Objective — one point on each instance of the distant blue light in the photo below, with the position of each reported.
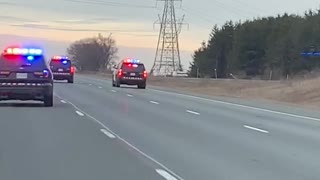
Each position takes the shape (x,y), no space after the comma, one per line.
(64,62)
(45,71)
(30,58)
(310,54)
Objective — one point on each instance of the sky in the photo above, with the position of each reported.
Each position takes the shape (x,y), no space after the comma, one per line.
(133,23)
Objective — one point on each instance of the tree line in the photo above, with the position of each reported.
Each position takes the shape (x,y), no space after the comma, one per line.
(264,48)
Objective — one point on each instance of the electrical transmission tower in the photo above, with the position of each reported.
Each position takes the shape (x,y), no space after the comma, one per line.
(167,57)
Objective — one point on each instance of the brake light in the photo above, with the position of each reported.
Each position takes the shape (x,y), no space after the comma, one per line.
(144,74)
(120,72)
(72,69)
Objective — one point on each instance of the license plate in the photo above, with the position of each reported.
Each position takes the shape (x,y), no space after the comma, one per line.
(132,74)
(60,70)
(22,75)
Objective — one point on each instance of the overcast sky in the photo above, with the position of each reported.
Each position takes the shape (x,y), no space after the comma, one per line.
(132,21)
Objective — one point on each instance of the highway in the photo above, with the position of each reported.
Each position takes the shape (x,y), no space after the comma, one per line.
(96,131)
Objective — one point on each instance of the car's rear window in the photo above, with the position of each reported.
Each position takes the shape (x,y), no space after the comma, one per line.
(59,63)
(133,67)
(19,61)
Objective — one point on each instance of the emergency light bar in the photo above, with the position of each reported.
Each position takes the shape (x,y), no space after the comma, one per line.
(134,61)
(23,51)
(59,57)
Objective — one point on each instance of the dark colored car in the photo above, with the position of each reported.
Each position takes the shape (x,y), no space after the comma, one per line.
(62,68)
(130,72)
(25,75)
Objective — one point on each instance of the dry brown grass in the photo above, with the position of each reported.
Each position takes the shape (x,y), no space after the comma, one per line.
(301,92)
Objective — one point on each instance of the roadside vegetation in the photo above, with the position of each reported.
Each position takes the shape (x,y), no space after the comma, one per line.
(263,48)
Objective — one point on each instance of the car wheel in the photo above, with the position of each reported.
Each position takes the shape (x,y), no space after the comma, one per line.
(142,86)
(70,80)
(48,100)
(117,84)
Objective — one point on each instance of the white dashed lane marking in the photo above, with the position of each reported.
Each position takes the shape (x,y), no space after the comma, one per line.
(129,95)
(192,112)
(63,101)
(154,102)
(165,174)
(113,91)
(255,129)
(110,135)
(79,113)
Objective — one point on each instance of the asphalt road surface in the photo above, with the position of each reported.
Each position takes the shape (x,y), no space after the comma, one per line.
(96,131)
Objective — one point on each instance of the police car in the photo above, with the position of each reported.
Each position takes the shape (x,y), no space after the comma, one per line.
(62,68)
(130,72)
(25,75)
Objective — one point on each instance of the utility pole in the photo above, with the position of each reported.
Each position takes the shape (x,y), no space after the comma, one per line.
(167,57)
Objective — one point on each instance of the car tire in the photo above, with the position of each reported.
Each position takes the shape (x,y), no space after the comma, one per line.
(70,80)
(142,86)
(48,100)
(117,84)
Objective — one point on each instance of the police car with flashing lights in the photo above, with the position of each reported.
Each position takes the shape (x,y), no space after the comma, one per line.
(130,72)
(62,68)
(25,75)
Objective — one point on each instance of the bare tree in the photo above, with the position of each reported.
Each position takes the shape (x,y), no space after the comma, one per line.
(93,54)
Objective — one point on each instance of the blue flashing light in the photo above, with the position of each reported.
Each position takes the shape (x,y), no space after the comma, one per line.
(310,54)
(64,62)
(30,58)
(133,61)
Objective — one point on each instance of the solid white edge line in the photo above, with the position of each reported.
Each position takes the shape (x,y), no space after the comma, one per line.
(79,113)
(126,142)
(192,112)
(256,129)
(153,102)
(242,106)
(165,174)
(110,135)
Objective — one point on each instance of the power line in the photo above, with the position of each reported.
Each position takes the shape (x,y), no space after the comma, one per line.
(109,3)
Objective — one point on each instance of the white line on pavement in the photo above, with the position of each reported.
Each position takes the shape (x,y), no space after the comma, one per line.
(100,87)
(129,95)
(126,142)
(165,174)
(79,113)
(113,91)
(153,102)
(256,129)
(192,112)
(110,135)
(240,105)
(63,101)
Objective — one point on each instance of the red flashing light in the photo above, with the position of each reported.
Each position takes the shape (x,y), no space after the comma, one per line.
(120,72)
(72,69)
(144,74)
